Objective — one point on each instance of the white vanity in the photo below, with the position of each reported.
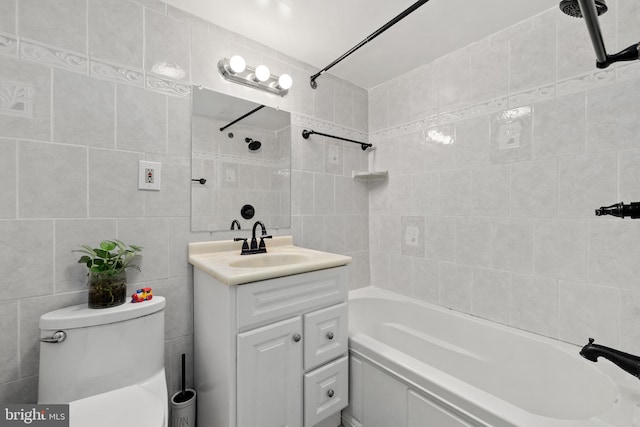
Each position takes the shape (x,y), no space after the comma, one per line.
(270,335)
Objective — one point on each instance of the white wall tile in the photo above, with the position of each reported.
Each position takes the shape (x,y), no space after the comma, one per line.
(559,127)
(7,19)
(29,116)
(560,248)
(456,286)
(629,321)
(152,234)
(587,311)
(8,184)
(323,194)
(534,302)
(113,184)
(426,282)
(62,23)
(425,194)
(490,189)
(489,71)
(116,31)
(207,48)
(628,162)
(400,274)
(173,199)
(473,241)
(424,92)
(613,254)
(399,109)
(452,71)
(61,185)
(26,240)
(534,189)
(84,110)
(472,142)
(9,357)
(456,192)
(512,244)
(141,120)
(492,295)
(440,238)
(612,120)
(179,126)
(585,183)
(532,58)
(166,43)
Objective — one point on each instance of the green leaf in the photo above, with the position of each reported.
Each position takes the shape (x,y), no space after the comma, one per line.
(107,245)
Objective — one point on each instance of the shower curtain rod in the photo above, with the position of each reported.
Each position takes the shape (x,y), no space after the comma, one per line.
(307,133)
(373,35)
(242,117)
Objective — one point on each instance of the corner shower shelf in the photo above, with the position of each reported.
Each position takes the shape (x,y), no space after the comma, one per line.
(370,176)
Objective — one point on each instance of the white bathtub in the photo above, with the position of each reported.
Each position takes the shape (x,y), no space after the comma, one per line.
(415,364)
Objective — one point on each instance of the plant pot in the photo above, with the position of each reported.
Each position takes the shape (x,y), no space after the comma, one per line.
(107,289)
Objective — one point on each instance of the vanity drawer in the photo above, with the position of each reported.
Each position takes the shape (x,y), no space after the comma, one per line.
(271,300)
(326,335)
(326,391)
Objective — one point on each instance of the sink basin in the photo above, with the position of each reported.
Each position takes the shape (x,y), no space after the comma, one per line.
(269,260)
(222,260)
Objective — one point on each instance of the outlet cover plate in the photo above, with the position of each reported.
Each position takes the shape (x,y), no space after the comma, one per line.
(149,175)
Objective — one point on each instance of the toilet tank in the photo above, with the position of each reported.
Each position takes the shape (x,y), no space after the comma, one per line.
(104,349)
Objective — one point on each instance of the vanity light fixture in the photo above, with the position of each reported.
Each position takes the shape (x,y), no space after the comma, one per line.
(236,70)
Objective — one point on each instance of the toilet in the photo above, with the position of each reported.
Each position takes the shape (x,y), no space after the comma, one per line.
(107,364)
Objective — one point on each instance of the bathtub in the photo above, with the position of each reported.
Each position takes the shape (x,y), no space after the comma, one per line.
(414,364)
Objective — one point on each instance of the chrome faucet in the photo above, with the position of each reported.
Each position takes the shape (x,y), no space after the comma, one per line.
(625,361)
(255,248)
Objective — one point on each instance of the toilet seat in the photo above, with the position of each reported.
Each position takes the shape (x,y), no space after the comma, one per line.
(132,406)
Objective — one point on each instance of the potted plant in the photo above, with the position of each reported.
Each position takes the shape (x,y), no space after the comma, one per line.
(107,271)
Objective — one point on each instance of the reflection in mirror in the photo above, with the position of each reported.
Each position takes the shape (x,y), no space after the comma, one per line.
(246,163)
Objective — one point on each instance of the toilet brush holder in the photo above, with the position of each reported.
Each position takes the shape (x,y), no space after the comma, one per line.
(183,408)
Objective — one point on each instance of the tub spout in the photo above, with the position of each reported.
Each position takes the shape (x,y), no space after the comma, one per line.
(625,361)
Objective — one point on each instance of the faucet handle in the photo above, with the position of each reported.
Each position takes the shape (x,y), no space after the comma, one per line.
(245,245)
(262,245)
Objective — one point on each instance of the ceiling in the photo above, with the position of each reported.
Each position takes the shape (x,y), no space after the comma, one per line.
(319,32)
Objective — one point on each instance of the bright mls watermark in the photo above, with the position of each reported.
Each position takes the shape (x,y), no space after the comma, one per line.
(12,415)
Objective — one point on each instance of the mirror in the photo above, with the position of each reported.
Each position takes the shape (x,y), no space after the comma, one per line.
(241,172)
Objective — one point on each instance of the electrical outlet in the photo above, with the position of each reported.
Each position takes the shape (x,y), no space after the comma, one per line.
(149,175)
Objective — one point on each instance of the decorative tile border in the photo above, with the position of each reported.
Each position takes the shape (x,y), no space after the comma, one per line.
(8,45)
(628,71)
(53,57)
(532,96)
(169,87)
(489,107)
(16,99)
(116,73)
(586,82)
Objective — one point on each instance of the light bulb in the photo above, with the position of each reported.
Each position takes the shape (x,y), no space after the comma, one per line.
(285,81)
(262,73)
(237,64)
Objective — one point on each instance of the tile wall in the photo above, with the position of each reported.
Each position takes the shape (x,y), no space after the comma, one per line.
(498,154)
(82,100)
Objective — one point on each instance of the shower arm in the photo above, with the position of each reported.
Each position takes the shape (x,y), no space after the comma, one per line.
(590,16)
(373,35)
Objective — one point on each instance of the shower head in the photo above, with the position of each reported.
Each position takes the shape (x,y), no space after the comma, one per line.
(572,7)
(253,145)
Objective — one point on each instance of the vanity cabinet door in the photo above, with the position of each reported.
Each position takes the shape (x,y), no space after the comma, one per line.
(270,375)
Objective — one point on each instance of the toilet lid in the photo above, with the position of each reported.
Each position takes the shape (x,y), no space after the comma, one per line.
(132,406)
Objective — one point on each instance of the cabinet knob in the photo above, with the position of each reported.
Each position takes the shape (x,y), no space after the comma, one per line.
(330,393)
(330,335)
(297,337)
